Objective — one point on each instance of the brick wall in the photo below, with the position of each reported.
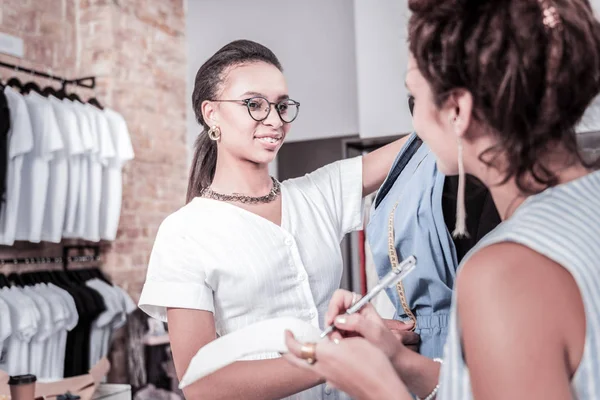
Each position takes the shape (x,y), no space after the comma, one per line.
(136,49)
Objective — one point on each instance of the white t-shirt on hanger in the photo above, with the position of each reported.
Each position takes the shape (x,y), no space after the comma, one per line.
(128,306)
(58,181)
(104,322)
(57,363)
(59,313)
(24,320)
(39,341)
(87,138)
(5,326)
(112,180)
(36,168)
(69,127)
(20,142)
(104,150)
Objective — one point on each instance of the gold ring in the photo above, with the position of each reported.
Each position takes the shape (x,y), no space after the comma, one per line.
(308,352)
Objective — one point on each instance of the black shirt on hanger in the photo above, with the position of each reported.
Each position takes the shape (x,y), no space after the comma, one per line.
(77,360)
(4,155)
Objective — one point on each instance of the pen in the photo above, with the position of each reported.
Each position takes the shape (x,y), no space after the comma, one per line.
(392,277)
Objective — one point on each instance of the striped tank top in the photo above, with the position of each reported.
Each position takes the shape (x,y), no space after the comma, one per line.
(563,224)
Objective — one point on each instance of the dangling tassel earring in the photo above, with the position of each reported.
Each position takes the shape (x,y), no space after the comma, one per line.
(460,230)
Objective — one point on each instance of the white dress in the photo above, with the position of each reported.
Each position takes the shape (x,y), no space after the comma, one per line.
(214,256)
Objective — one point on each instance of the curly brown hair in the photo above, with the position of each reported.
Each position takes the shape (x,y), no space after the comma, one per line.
(530,82)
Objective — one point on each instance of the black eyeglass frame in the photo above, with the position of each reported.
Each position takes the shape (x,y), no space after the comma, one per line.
(246,102)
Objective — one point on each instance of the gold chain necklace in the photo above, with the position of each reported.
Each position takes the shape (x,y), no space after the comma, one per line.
(242,198)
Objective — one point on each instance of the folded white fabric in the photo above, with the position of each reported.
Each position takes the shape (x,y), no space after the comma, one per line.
(261,337)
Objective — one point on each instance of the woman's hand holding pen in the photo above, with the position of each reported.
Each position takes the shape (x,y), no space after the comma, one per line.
(363,344)
(388,335)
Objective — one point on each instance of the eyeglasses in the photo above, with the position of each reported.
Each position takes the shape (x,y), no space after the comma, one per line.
(259,108)
(411,103)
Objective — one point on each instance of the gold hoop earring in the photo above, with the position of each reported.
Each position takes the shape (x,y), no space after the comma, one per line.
(214,133)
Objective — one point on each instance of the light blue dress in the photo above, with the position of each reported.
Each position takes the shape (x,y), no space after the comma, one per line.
(420,230)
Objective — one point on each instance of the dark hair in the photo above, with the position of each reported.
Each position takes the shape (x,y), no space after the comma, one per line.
(530,83)
(208,83)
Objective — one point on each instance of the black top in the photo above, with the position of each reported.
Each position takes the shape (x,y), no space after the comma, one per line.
(482,215)
(4,128)
(91,305)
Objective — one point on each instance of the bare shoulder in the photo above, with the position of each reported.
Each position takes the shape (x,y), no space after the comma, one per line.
(515,296)
(513,272)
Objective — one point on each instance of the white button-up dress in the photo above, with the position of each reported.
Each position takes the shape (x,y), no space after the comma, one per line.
(214,256)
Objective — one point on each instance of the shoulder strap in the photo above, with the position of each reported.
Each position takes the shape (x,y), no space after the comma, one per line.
(397,169)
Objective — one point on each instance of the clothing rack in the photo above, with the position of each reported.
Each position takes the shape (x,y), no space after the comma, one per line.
(65,259)
(88,82)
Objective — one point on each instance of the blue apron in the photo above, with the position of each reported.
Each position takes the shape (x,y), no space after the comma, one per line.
(417,186)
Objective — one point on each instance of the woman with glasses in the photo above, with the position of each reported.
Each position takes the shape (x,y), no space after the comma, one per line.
(246,247)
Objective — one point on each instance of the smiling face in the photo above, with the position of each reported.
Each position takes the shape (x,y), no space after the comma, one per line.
(242,137)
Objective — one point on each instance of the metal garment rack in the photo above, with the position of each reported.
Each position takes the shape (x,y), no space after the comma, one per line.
(86,82)
(65,259)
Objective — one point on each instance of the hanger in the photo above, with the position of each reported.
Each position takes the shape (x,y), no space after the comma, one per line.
(49,90)
(3,281)
(29,86)
(27,280)
(15,82)
(60,93)
(15,279)
(93,101)
(74,97)
(30,277)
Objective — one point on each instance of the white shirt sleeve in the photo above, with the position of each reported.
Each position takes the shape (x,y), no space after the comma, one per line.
(339,187)
(105,139)
(5,324)
(45,325)
(72,315)
(175,277)
(120,135)
(20,133)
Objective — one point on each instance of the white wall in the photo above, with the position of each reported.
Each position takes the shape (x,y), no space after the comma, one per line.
(382,53)
(591,119)
(313,39)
